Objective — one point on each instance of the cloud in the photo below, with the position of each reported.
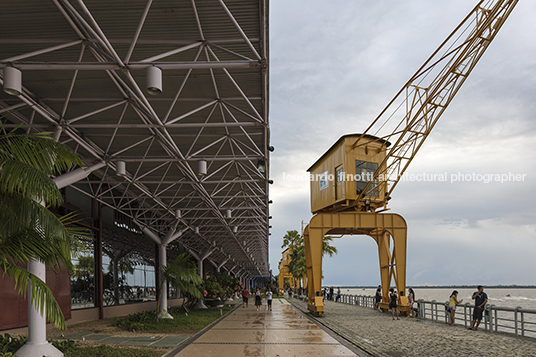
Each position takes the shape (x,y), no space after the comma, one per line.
(335,65)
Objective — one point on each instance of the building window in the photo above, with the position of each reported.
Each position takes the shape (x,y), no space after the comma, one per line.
(340,175)
(364,172)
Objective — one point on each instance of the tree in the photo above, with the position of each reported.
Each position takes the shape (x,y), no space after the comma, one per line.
(297,265)
(28,229)
(183,275)
(83,272)
(85,268)
(291,238)
(327,248)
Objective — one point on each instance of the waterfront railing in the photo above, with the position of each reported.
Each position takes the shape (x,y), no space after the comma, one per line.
(516,320)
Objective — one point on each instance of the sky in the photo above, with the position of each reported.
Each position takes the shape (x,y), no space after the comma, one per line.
(334,65)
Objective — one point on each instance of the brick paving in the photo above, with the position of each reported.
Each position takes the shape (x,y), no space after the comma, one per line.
(379,335)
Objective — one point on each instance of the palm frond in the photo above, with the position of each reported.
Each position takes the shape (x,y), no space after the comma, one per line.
(41,295)
(29,181)
(183,275)
(38,150)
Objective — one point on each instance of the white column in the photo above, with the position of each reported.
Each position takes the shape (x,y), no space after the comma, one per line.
(200,259)
(162,262)
(222,264)
(37,345)
(200,267)
(171,235)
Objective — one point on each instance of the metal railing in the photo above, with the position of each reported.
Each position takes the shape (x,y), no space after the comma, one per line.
(516,320)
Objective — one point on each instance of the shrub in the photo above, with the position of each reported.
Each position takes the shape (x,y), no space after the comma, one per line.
(63,345)
(146,321)
(221,285)
(9,344)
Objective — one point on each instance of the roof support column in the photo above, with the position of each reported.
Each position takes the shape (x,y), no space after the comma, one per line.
(200,259)
(231,270)
(162,262)
(37,344)
(218,268)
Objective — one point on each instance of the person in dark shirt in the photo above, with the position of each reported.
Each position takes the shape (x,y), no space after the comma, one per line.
(393,303)
(481,299)
(378,297)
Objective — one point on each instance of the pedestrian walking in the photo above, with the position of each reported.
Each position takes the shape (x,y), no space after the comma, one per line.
(481,299)
(453,301)
(245,297)
(378,297)
(338,294)
(411,301)
(331,291)
(258,299)
(269,299)
(393,303)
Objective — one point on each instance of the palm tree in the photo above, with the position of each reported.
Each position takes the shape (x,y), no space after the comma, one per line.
(291,238)
(183,275)
(297,265)
(28,230)
(327,248)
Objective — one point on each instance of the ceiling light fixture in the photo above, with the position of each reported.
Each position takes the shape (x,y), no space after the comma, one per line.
(201,168)
(153,80)
(12,81)
(120,168)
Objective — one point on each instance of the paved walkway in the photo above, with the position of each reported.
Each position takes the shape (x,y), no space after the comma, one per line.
(246,332)
(379,335)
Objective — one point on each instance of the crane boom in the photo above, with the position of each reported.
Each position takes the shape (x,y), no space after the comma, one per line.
(427,94)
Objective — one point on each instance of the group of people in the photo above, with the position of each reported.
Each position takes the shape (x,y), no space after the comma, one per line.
(393,301)
(299,291)
(329,293)
(258,298)
(480,297)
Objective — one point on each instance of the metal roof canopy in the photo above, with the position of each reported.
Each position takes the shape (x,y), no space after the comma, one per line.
(83,67)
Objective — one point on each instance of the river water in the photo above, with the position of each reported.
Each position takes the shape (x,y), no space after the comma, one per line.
(506,297)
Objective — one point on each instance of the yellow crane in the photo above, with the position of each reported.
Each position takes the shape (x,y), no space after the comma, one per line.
(352,182)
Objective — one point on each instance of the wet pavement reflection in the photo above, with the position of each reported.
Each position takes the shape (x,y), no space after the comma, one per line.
(250,333)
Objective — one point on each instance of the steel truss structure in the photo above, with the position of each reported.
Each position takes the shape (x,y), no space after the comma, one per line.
(84,65)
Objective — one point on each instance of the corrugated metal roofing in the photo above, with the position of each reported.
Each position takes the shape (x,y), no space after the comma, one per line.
(219,114)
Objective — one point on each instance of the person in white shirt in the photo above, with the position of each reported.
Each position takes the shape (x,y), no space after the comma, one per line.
(269,299)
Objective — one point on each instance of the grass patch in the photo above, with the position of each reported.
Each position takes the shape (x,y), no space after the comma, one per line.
(107,351)
(9,345)
(196,319)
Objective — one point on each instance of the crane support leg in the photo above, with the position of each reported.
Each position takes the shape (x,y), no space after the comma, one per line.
(392,247)
(313,258)
(388,230)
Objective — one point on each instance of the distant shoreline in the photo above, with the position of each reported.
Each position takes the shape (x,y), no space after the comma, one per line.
(447,287)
